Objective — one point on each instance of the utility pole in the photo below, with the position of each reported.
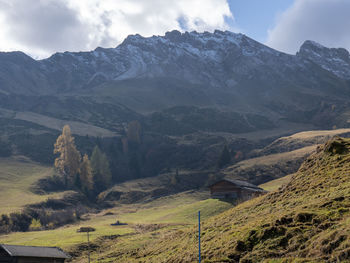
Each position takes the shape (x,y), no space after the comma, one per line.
(199,236)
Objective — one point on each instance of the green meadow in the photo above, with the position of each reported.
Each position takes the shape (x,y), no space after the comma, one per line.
(17,176)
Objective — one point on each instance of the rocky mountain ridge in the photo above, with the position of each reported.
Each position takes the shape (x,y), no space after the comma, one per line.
(219,59)
(335,60)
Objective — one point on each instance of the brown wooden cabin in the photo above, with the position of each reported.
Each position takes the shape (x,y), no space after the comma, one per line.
(234,189)
(28,254)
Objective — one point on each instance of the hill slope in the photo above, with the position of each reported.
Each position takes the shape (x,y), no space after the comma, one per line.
(17,176)
(308,219)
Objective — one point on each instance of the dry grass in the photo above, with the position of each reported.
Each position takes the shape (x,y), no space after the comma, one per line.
(275,158)
(311,134)
(266,168)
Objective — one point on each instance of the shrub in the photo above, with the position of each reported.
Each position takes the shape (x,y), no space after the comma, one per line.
(35,224)
(20,222)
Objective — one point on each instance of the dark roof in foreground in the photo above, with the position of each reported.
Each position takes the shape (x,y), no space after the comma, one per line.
(242,184)
(29,251)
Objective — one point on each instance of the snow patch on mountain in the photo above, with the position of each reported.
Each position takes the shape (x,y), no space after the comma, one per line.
(220,59)
(335,60)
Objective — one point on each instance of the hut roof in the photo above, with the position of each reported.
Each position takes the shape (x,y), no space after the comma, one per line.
(30,251)
(242,184)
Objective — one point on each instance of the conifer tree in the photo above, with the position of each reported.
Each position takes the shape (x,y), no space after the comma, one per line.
(174,180)
(86,179)
(225,157)
(102,176)
(68,161)
(134,132)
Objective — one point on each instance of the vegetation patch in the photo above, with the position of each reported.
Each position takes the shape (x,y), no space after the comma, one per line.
(18,175)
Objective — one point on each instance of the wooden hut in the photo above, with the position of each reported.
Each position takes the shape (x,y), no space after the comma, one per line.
(29,254)
(234,189)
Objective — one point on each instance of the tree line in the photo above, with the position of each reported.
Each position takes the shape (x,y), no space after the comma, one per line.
(90,175)
(93,174)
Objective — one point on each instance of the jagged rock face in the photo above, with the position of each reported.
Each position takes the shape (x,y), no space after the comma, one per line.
(335,60)
(218,59)
(207,58)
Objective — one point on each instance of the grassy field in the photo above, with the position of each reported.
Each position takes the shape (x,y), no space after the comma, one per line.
(173,211)
(179,210)
(17,175)
(65,237)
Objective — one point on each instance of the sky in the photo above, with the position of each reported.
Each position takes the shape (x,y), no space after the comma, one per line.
(43,27)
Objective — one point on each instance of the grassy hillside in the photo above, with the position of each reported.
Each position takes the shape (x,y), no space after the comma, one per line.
(308,220)
(176,211)
(281,157)
(300,140)
(269,167)
(17,176)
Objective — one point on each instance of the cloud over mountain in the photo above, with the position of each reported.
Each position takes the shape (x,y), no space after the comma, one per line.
(324,21)
(41,28)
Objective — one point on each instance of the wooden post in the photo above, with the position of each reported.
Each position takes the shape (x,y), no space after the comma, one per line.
(87,230)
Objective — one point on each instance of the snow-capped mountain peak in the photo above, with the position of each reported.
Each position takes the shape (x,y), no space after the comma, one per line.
(219,59)
(335,60)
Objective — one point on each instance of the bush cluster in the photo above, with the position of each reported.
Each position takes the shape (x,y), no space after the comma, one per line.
(38,219)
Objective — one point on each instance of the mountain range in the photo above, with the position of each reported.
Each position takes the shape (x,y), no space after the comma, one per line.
(221,70)
(191,93)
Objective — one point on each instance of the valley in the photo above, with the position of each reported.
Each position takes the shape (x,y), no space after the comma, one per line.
(163,210)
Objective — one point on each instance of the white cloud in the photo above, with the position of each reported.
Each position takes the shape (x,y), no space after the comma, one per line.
(324,21)
(42,27)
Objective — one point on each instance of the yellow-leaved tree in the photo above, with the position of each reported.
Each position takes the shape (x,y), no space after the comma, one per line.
(86,179)
(68,161)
